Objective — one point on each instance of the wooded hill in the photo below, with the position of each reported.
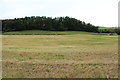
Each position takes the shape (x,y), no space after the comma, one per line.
(47,23)
(52,24)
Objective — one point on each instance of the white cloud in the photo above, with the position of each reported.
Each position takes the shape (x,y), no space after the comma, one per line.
(97,12)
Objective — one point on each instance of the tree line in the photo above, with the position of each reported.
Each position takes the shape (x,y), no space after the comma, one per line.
(47,23)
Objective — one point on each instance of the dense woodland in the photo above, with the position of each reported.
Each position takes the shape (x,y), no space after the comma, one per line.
(49,23)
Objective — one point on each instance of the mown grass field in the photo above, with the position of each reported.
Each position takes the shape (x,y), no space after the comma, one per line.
(38,32)
(42,32)
(73,55)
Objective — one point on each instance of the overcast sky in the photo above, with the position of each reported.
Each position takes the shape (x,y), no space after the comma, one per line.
(96,12)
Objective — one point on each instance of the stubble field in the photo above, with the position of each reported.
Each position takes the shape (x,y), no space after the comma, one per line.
(60,56)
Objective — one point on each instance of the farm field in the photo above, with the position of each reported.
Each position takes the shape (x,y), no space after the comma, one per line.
(43,32)
(77,55)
